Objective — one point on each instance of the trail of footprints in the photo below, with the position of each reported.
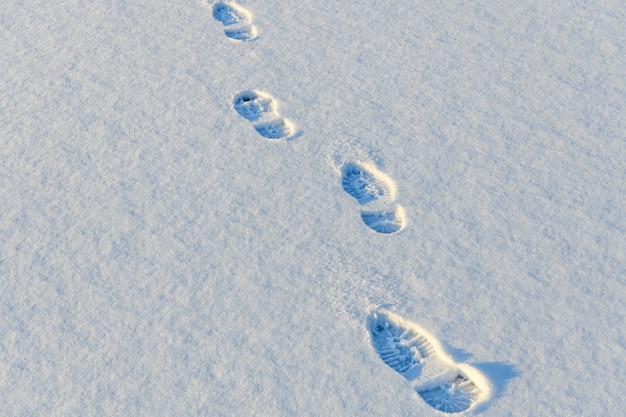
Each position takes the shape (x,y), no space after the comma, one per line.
(413,353)
(368,185)
(404,346)
(362,181)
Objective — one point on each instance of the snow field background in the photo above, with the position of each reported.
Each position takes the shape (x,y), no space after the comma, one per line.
(159,257)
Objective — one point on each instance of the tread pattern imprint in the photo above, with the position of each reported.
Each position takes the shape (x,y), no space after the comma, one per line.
(409,350)
(371,187)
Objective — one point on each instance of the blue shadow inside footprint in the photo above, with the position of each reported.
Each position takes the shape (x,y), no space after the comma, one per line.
(252,106)
(383,221)
(247,33)
(362,184)
(228,15)
(452,397)
(275,129)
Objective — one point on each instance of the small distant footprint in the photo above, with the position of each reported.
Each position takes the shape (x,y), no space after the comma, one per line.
(261,110)
(416,355)
(367,184)
(238,21)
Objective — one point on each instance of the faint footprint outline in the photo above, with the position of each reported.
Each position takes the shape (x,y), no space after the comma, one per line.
(418,356)
(261,110)
(236,19)
(370,186)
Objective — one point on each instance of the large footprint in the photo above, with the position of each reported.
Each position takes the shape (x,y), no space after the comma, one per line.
(367,184)
(418,356)
(261,110)
(238,21)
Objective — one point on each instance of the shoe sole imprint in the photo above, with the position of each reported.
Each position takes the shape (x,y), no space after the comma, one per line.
(409,350)
(260,109)
(365,183)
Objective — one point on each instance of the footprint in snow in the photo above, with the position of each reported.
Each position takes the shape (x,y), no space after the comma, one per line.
(236,19)
(367,184)
(418,356)
(260,109)
(384,221)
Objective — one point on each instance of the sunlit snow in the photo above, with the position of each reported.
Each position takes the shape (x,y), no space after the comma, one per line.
(205,207)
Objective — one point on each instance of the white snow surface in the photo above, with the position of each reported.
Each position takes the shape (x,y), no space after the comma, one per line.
(159,257)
